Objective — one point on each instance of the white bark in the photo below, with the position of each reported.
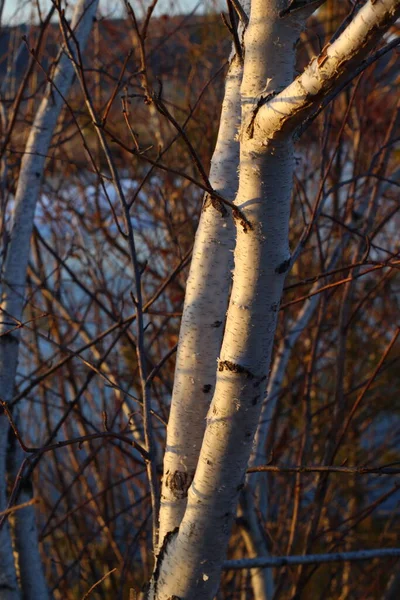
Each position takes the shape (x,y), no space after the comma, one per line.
(336,62)
(190,559)
(8,581)
(195,553)
(203,317)
(31,574)
(13,285)
(189,563)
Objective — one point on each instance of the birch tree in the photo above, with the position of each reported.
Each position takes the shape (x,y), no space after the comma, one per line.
(297,225)
(189,562)
(12,302)
(203,316)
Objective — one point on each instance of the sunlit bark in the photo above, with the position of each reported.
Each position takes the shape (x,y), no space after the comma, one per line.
(203,316)
(189,561)
(261,261)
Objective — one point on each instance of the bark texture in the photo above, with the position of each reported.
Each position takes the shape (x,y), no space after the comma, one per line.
(14,273)
(30,568)
(189,562)
(203,316)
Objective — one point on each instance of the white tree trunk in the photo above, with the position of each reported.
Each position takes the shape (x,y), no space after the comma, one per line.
(8,580)
(189,562)
(31,574)
(14,274)
(203,317)
(260,259)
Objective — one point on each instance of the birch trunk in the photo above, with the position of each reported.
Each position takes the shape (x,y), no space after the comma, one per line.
(30,569)
(8,580)
(14,274)
(203,317)
(189,562)
(260,260)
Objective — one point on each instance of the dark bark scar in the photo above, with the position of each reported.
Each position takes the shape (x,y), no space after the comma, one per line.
(178,482)
(246,225)
(227,365)
(215,203)
(217,324)
(283,267)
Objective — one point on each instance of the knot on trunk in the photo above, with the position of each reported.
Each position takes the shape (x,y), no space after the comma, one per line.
(178,482)
(227,365)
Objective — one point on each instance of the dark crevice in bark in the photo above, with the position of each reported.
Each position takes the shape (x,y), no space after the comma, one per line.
(178,482)
(227,365)
(283,267)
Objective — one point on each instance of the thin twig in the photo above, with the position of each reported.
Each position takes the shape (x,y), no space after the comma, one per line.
(8,511)
(357,470)
(287,561)
(98,583)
